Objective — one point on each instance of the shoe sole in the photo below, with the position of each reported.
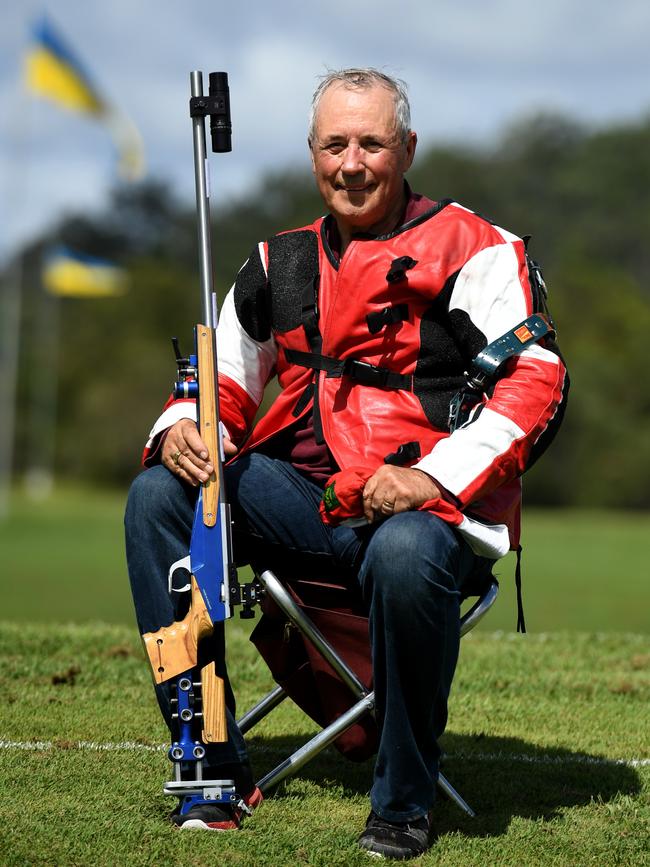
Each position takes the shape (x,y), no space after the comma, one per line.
(199,825)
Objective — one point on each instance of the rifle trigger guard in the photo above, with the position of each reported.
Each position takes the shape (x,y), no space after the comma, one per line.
(179,564)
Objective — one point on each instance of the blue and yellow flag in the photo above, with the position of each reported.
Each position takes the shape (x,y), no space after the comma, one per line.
(71,274)
(54,72)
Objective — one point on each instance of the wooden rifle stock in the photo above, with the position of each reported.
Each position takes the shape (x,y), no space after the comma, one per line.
(209,423)
(173,649)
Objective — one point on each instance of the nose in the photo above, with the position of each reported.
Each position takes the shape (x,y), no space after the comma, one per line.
(352,162)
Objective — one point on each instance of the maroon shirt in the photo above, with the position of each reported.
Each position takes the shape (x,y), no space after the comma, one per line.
(309,457)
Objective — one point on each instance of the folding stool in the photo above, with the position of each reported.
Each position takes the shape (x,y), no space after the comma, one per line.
(289,599)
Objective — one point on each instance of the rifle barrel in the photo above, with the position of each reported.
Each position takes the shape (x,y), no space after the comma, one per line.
(202,184)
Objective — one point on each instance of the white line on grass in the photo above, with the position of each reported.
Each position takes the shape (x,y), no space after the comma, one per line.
(134,746)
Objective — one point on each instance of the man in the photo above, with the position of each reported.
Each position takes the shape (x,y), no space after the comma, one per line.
(369,318)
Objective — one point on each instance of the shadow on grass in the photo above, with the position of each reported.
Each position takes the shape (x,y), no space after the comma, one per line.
(501,778)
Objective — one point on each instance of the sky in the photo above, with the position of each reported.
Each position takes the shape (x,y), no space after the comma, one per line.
(472,68)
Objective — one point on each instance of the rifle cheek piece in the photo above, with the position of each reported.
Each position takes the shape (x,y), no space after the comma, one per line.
(173,650)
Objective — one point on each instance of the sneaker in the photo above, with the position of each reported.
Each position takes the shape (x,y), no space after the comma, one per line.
(217,817)
(399,840)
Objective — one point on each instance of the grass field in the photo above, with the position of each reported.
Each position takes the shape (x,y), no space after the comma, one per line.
(547,738)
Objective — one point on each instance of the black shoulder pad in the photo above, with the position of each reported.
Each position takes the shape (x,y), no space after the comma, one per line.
(293,264)
(251,298)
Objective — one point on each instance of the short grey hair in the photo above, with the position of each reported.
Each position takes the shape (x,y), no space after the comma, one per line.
(364,79)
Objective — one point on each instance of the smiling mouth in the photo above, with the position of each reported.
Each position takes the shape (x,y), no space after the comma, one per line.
(362,189)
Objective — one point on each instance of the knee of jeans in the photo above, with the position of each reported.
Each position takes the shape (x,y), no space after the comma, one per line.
(411,554)
(248,477)
(151,494)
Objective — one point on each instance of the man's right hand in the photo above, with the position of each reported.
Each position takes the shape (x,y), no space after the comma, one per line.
(186,455)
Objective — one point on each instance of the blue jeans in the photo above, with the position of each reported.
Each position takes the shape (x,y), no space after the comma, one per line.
(411,568)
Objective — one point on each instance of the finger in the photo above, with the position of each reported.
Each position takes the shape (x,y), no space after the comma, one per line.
(171,452)
(179,461)
(189,443)
(229,448)
(386,501)
(195,465)
(179,466)
(194,442)
(368,511)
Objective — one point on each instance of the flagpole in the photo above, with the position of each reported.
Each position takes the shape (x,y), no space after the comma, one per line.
(9,353)
(43,391)
(19,125)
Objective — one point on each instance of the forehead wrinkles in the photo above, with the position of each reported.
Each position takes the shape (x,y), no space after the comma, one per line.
(346,111)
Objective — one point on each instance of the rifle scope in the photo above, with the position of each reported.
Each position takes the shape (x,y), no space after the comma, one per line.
(217,105)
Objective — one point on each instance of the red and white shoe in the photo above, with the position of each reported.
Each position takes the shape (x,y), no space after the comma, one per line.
(218,817)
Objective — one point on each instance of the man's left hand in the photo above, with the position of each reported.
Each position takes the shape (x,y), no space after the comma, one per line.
(397,489)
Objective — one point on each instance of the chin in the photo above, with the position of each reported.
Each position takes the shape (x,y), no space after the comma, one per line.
(365,212)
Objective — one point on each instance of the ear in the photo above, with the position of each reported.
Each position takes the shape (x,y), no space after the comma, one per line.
(311,155)
(411,144)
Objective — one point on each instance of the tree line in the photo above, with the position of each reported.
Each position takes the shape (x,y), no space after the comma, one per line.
(583,195)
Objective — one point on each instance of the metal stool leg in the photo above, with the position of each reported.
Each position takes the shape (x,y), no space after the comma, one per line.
(261,709)
(318,743)
(450,792)
(365,699)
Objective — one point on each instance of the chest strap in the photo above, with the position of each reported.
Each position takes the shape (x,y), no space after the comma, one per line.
(359,371)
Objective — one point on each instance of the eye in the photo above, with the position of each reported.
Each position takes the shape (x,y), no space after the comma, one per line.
(334,147)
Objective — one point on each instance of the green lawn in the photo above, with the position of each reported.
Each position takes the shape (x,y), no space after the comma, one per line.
(547,737)
(63,560)
(547,740)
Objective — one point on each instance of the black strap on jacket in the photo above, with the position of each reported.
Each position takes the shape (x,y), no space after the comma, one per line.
(360,371)
(405,454)
(399,267)
(303,401)
(309,314)
(309,317)
(521,623)
(387,316)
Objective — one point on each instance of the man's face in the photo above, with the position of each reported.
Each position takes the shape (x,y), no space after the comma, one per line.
(358,160)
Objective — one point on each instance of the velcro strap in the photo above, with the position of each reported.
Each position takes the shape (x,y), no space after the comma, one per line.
(406,453)
(387,316)
(310,312)
(360,371)
(521,623)
(303,400)
(399,267)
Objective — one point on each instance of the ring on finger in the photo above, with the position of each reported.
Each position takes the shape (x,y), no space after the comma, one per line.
(387,506)
(177,456)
